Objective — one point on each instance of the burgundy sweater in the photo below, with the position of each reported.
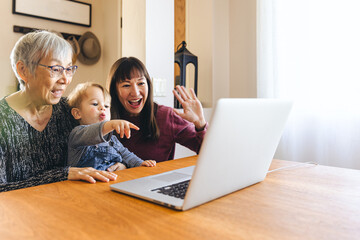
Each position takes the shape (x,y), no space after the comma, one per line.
(173,129)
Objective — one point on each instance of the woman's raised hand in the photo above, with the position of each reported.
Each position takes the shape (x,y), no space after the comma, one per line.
(193,111)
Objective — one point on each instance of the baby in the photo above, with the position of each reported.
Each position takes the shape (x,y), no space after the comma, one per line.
(92,144)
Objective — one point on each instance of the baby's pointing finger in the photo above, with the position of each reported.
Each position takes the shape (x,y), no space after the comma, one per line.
(133,126)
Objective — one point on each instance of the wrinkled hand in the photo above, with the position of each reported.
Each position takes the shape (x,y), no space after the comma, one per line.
(148,163)
(116,167)
(193,111)
(90,175)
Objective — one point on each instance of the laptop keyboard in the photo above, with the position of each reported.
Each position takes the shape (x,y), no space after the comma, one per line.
(177,190)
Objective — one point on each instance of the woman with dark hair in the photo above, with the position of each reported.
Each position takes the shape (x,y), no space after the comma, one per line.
(161,127)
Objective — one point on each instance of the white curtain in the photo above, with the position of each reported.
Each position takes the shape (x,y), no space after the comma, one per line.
(309,51)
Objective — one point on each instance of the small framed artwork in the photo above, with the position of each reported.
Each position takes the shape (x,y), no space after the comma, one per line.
(73,12)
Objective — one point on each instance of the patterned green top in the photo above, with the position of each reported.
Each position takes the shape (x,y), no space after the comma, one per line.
(29,157)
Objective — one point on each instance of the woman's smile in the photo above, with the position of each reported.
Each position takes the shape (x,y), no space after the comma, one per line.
(135,103)
(57,93)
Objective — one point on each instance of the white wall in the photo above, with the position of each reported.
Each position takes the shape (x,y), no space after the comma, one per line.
(221,50)
(153,39)
(104,26)
(222,33)
(133,29)
(242,45)
(160,45)
(112,34)
(199,39)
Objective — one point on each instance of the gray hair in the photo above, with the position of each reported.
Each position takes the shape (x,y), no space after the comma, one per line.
(34,46)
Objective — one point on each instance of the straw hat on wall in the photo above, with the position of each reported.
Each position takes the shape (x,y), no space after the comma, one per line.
(90,49)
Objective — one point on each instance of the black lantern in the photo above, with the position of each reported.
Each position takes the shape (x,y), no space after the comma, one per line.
(182,58)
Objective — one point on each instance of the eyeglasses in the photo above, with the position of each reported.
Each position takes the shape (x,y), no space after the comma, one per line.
(57,70)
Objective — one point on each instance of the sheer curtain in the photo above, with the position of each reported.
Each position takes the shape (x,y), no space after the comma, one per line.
(309,51)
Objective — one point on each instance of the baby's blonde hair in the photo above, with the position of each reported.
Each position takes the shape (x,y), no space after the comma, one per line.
(76,96)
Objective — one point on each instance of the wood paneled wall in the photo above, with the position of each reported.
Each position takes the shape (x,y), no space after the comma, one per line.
(179,6)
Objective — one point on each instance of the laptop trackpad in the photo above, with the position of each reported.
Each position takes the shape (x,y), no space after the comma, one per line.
(171,177)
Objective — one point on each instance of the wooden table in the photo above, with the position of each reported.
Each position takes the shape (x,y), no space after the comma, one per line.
(305,202)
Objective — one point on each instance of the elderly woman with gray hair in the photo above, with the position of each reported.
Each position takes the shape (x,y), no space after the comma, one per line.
(35,122)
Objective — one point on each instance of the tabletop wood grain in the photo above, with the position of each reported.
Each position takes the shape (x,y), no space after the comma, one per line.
(303,202)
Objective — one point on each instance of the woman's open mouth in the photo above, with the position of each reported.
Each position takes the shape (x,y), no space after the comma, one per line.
(135,103)
(57,93)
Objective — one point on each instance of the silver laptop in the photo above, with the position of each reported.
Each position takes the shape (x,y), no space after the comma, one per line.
(238,148)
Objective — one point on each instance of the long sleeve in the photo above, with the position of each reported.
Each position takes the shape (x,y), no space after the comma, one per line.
(45,177)
(86,135)
(80,138)
(29,157)
(186,134)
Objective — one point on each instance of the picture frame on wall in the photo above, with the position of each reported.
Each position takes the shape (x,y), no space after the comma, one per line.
(66,11)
